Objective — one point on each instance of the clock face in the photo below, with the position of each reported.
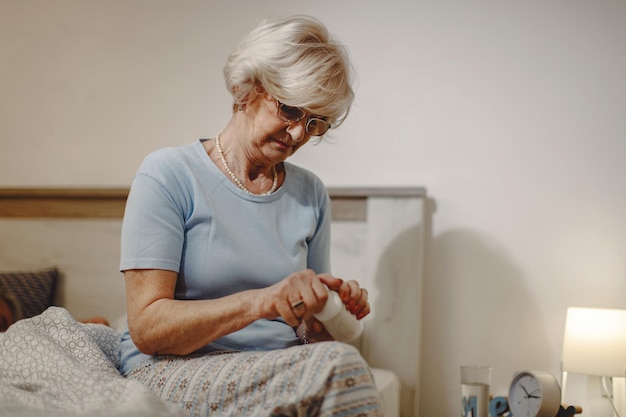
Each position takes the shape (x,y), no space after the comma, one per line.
(525,396)
(534,395)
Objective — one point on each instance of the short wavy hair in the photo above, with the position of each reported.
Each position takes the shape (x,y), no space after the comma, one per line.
(296,60)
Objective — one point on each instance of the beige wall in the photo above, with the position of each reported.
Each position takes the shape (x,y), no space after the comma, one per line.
(510,113)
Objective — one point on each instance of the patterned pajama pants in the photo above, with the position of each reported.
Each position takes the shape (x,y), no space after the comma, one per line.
(321,379)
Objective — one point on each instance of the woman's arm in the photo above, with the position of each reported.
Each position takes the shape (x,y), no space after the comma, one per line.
(158,324)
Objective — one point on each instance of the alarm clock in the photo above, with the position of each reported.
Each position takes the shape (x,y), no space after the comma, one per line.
(534,394)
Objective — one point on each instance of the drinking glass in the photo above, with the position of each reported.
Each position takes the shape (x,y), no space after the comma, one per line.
(475,381)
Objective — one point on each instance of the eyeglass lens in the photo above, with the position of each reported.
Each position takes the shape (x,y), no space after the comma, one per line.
(317,127)
(292,114)
(314,125)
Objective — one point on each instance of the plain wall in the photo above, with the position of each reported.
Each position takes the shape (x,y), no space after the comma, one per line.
(510,113)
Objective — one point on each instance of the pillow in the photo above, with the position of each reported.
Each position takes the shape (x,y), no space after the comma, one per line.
(34,290)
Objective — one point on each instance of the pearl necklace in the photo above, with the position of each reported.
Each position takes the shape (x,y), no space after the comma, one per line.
(232,175)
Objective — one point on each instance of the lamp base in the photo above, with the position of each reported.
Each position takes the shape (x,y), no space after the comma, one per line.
(619,396)
(569,410)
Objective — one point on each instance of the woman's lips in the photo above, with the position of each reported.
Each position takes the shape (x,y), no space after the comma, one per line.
(282,144)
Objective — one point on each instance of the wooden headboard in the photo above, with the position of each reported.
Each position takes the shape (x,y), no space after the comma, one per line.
(378,238)
(108,203)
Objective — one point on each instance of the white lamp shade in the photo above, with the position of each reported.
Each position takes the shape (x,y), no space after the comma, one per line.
(595,342)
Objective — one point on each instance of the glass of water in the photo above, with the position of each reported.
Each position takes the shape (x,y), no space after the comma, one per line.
(475,381)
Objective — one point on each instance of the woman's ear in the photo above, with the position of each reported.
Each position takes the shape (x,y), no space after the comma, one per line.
(259,89)
(238,106)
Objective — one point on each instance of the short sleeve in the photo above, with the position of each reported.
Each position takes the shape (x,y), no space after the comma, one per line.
(153,225)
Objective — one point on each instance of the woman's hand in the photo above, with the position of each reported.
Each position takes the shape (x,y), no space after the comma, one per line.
(351,294)
(355,298)
(300,295)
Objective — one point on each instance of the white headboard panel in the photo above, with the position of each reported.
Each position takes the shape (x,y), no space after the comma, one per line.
(385,253)
(378,238)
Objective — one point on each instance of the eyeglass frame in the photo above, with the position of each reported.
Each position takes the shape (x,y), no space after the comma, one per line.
(281,115)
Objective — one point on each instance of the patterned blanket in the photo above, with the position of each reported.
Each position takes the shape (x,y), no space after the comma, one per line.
(52,365)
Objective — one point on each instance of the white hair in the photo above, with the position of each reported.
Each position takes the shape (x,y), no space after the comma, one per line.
(296,60)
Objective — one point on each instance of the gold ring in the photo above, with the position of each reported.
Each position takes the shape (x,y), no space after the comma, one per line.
(297,304)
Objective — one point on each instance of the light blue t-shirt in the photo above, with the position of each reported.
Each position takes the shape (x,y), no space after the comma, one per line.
(183,214)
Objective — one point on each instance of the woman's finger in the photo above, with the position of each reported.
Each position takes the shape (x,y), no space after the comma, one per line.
(355,298)
(298,308)
(330,281)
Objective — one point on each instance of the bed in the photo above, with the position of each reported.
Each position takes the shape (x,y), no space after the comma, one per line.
(66,242)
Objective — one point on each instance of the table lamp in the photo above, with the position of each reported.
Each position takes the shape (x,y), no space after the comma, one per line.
(595,344)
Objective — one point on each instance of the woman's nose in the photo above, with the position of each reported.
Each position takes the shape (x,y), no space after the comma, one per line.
(297,130)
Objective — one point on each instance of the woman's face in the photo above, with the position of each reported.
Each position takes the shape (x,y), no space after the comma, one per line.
(272,139)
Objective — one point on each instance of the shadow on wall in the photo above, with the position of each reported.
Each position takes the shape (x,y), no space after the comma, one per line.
(476,310)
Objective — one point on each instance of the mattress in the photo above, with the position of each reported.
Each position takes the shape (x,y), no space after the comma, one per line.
(388,387)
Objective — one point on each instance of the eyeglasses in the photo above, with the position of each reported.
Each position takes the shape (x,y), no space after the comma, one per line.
(315,126)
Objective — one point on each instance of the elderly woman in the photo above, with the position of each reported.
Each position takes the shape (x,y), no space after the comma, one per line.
(225,247)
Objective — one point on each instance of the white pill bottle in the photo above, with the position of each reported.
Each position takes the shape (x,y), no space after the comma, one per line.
(338,321)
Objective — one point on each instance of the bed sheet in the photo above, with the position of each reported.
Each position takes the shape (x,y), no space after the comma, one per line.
(52,365)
